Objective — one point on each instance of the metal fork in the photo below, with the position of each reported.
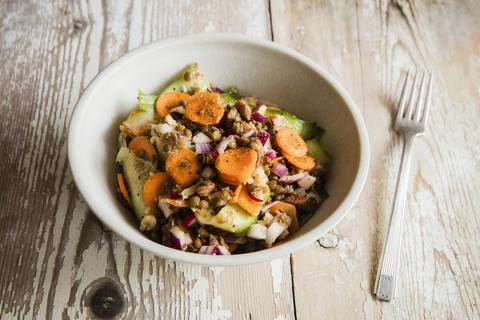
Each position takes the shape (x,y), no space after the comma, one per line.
(410,122)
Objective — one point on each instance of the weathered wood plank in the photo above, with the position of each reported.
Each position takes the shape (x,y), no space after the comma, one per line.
(368,46)
(55,254)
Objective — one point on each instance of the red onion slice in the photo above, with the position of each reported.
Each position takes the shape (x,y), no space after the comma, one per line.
(179,239)
(224,143)
(201,138)
(279,169)
(275,229)
(214,250)
(307,181)
(258,117)
(189,220)
(292,179)
(202,148)
(271,154)
(283,235)
(257,232)
(222,251)
(263,137)
(267,206)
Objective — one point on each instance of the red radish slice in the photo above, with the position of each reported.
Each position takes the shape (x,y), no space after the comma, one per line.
(251,195)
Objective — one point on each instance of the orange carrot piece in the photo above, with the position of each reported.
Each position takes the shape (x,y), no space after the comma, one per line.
(277,159)
(236,193)
(231,182)
(235,166)
(121,184)
(232,247)
(184,167)
(154,187)
(168,101)
(304,162)
(288,209)
(205,108)
(246,202)
(143,148)
(290,142)
(177,202)
(134,111)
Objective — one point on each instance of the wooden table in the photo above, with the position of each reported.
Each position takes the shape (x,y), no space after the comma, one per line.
(58,262)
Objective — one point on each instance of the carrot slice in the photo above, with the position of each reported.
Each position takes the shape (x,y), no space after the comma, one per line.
(290,142)
(143,148)
(177,202)
(205,108)
(236,193)
(277,159)
(304,162)
(121,184)
(288,209)
(134,111)
(246,202)
(232,182)
(154,187)
(168,101)
(235,166)
(232,247)
(184,167)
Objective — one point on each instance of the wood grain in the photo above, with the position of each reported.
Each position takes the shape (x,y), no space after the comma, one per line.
(369,46)
(56,259)
(55,254)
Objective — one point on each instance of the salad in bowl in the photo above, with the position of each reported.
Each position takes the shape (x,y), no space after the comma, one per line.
(217,172)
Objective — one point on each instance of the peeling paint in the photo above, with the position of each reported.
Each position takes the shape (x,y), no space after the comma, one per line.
(277,278)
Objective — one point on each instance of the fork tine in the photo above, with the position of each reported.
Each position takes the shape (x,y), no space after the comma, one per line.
(413,93)
(403,97)
(420,100)
(427,99)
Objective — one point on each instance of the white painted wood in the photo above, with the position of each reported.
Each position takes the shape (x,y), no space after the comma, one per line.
(55,253)
(368,46)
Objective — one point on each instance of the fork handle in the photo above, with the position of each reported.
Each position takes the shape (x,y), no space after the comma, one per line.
(386,283)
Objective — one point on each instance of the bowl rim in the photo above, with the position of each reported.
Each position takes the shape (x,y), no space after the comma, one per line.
(242,259)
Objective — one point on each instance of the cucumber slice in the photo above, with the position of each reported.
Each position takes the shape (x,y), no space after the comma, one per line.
(316,151)
(304,129)
(231,218)
(140,122)
(136,172)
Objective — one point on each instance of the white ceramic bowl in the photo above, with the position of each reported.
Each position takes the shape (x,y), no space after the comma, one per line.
(257,67)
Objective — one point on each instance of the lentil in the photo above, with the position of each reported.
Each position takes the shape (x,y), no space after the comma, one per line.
(194,201)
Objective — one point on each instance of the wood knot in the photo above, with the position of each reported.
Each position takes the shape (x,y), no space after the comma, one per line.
(329,240)
(78,24)
(104,299)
